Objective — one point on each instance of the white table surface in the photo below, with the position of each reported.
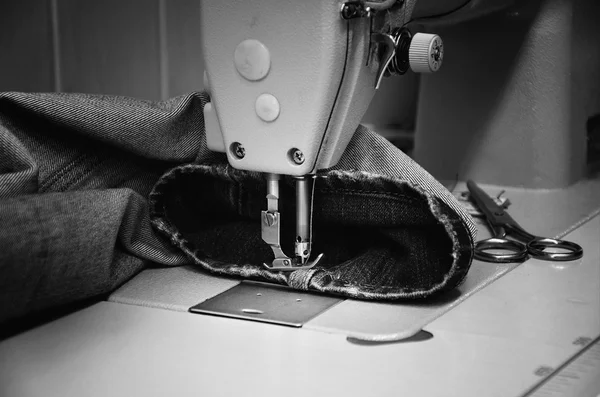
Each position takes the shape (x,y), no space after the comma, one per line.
(490,345)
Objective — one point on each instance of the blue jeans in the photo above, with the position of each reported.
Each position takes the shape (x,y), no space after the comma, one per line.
(94,188)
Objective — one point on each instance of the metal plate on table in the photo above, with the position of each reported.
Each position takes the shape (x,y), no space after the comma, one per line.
(269,303)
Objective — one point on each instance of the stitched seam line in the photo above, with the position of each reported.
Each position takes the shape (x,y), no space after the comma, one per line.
(59,173)
(370,192)
(69,182)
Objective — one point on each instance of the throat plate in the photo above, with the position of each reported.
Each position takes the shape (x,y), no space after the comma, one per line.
(269,303)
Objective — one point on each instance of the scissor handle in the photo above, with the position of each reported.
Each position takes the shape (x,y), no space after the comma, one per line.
(537,248)
(518,252)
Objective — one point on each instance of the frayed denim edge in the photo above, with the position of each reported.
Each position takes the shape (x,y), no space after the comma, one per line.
(321,280)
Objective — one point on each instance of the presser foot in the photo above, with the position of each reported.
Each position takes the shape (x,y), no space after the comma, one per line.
(286,264)
(270,225)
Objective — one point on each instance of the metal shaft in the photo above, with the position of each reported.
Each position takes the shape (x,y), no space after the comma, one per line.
(303,187)
(304,192)
(272,192)
(270,225)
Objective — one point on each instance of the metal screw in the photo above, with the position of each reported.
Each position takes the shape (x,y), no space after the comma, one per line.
(436,53)
(354,9)
(298,156)
(349,11)
(238,150)
(286,262)
(270,219)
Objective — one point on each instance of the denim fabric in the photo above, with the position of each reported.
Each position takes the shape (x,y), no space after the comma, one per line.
(76,171)
(387,228)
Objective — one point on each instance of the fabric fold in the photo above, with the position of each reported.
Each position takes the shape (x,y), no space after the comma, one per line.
(388,230)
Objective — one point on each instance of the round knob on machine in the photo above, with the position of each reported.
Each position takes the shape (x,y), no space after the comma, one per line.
(426,53)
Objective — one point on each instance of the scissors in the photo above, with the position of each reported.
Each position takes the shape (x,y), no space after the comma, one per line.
(523,244)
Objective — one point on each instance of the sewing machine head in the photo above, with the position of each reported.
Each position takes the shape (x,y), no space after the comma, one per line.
(289,82)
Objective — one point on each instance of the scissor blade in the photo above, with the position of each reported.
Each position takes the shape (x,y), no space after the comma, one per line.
(492,211)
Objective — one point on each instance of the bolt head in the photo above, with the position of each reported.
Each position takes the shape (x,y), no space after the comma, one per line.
(270,219)
(298,156)
(349,11)
(238,150)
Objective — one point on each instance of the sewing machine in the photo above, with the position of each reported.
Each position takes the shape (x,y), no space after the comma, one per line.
(285,99)
(280,113)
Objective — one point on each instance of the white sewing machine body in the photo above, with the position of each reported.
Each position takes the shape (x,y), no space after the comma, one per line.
(286,97)
(279,86)
(509,327)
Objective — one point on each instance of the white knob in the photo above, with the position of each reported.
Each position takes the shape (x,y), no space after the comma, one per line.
(252,59)
(267,107)
(426,53)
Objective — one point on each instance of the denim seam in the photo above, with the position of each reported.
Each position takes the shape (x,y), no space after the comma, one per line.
(68,183)
(300,279)
(56,176)
(369,192)
(76,177)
